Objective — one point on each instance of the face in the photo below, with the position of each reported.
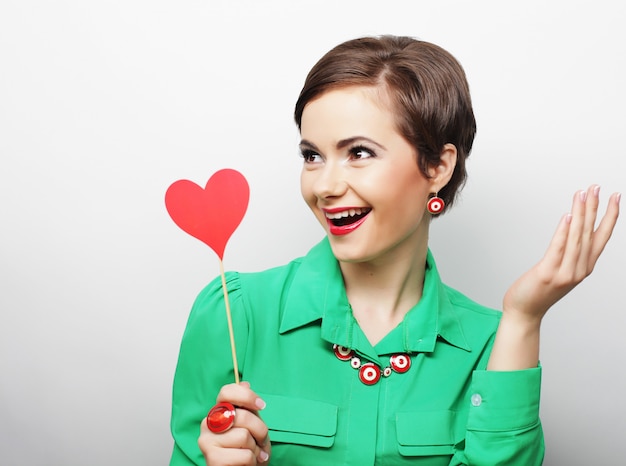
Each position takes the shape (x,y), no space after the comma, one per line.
(361,179)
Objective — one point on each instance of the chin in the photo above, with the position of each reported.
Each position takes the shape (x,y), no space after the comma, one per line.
(349,253)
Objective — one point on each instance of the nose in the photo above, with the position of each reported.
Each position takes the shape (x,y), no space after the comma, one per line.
(330,182)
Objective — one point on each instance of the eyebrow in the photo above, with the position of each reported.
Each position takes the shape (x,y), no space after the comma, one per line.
(343,143)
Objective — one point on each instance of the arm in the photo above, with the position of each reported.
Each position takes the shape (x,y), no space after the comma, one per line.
(204,375)
(570,258)
(503,424)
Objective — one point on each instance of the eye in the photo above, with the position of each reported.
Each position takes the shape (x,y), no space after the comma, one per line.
(310,156)
(361,153)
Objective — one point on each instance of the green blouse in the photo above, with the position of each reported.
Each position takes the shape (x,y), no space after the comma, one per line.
(445,410)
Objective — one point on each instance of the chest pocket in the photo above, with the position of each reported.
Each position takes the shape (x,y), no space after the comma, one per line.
(428,433)
(299,421)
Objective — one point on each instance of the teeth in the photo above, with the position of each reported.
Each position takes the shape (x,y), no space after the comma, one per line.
(345,213)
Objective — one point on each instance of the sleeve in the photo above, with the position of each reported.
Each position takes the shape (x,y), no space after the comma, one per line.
(503,425)
(205,364)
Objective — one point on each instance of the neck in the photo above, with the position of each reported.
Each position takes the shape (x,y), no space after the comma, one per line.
(382,292)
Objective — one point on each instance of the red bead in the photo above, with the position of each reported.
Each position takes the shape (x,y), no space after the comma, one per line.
(369,373)
(221,417)
(400,362)
(343,353)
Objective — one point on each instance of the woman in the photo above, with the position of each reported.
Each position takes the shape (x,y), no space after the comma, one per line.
(357,354)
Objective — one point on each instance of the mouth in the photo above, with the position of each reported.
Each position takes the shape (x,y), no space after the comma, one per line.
(344,221)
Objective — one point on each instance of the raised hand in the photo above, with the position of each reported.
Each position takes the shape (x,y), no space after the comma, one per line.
(570,258)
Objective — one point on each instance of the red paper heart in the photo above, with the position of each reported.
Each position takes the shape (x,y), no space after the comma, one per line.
(211,214)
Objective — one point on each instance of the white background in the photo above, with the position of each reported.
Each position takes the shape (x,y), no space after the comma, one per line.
(104,104)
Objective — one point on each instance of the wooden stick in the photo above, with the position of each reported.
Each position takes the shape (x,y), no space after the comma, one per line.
(230,323)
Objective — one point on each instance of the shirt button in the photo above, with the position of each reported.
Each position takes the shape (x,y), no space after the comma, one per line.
(476,399)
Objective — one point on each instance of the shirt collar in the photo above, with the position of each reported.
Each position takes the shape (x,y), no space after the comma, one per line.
(317,293)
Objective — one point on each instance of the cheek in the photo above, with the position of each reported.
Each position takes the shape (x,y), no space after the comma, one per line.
(303,185)
(405,196)
(306,188)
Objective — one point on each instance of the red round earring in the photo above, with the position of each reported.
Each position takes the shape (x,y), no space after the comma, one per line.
(435,205)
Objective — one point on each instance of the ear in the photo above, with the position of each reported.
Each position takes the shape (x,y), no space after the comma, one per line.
(441,173)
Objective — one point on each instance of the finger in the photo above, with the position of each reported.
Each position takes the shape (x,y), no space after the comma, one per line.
(247,403)
(241,395)
(605,228)
(263,454)
(237,437)
(556,249)
(574,239)
(220,446)
(230,456)
(253,424)
(591,213)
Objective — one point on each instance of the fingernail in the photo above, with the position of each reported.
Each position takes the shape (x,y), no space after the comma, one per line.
(263,456)
(596,191)
(583,196)
(568,218)
(245,384)
(618,197)
(259,403)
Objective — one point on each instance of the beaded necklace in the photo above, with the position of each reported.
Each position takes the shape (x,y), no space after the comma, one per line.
(370,373)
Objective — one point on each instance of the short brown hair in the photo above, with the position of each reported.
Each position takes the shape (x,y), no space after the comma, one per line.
(427,87)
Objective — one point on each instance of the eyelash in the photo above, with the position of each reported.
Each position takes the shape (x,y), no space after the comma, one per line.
(354,151)
(308,154)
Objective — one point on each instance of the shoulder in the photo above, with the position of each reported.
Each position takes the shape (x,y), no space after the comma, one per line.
(269,279)
(479,322)
(461,305)
(251,288)
(239,284)
(302,272)
(465,322)
(464,304)
(252,297)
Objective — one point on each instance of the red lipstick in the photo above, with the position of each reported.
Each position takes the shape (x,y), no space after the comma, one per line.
(342,225)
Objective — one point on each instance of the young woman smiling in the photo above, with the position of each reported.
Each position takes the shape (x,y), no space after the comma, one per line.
(358,354)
